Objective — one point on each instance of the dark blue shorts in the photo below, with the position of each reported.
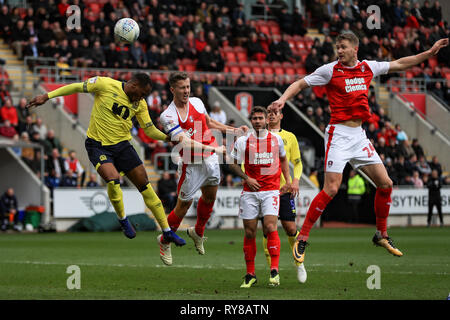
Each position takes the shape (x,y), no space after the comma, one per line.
(122,155)
(287,208)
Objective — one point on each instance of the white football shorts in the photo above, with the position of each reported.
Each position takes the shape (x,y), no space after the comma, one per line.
(346,144)
(253,205)
(194,176)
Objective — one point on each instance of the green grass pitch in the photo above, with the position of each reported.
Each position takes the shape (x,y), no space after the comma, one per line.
(33,266)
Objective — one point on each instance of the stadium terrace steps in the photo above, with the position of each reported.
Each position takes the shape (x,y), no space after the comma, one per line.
(153,176)
(314,33)
(20,85)
(383,98)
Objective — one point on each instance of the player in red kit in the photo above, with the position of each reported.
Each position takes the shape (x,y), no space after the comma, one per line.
(347,82)
(264,158)
(187,121)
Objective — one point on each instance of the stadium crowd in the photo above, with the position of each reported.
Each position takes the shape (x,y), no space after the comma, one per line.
(201,31)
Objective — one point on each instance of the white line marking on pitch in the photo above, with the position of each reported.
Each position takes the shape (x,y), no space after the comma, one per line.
(211,267)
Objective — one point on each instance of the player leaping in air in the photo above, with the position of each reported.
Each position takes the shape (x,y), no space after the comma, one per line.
(108,136)
(186,120)
(347,82)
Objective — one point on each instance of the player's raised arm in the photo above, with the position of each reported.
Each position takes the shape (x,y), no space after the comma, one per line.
(93,85)
(63,91)
(214,124)
(290,92)
(410,61)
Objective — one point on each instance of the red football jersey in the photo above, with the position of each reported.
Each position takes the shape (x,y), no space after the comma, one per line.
(261,158)
(347,87)
(194,125)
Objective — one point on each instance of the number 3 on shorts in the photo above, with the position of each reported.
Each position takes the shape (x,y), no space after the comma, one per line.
(275,202)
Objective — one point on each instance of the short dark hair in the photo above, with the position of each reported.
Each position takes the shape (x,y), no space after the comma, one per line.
(258,109)
(142,79)
(348,35)
(177,76)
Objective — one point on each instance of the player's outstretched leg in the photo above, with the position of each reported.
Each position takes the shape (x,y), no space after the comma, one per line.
(204,210)
(315,210)
(154,204)
(382,206)
(116,197)
(165,252)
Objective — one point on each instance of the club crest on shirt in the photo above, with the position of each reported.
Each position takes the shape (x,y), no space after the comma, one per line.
(330,163)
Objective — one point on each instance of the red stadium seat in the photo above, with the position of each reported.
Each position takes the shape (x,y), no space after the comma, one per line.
(301,71)
(275,64)
(290,71)
(241,56)
(279,71)
(257,70)
(258,78)
(190,67)
(275,30)
(400,36)
(235,70)
(230,57)
(432,62)
(246,70)
(264,29)
(445,71)
(268,70)
(237,49)
(409,74)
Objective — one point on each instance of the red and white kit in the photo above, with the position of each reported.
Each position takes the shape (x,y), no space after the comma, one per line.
(261,158)
(193,175)
(347,90)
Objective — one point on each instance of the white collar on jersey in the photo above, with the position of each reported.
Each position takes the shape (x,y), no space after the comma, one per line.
(357,62)
(253,132)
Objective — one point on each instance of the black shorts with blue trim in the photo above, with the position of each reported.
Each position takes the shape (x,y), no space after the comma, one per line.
(122,155)
(287,208)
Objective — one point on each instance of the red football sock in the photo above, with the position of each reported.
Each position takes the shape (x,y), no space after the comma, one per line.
(174,221)
(250,254)
(273,245)
(382,206)
(316,208)
(204,210)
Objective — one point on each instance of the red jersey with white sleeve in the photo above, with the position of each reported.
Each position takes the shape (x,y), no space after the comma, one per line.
(194,124)
(347,87)
(261,158)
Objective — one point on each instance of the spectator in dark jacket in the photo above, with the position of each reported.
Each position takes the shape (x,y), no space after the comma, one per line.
(167,191)
(8,210)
